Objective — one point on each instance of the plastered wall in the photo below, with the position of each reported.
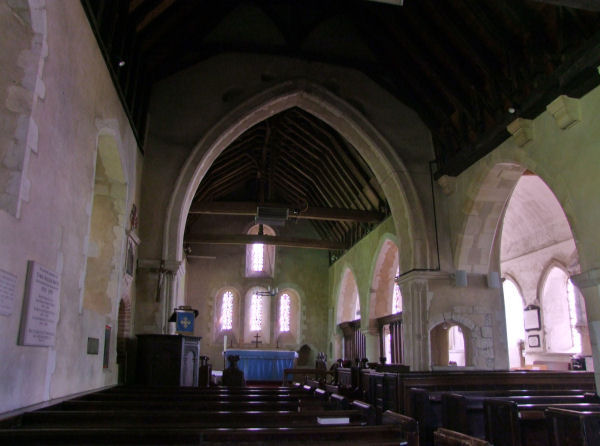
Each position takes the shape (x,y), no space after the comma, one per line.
(74,103)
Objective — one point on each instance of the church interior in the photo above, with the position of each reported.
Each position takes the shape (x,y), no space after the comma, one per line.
(412,182)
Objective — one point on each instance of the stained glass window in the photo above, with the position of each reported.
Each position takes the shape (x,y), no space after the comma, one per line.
(256,315)
(397,298)
(227,311)
(258,254)
(284,313)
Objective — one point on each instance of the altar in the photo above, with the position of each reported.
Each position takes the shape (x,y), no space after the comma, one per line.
(263,365)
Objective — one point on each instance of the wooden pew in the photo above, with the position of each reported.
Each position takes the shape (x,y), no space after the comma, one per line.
(384,435)
(571,427)
(447,437)
(509,423)
(489,380)
(409,426)
(185,419)
(463,411)
(316,374)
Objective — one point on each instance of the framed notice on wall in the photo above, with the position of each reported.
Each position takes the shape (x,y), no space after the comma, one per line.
(40,306)
(531,317)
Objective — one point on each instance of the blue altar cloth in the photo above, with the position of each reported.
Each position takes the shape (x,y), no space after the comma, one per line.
(263,365)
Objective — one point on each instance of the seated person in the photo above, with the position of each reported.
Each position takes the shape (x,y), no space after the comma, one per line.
(232,376)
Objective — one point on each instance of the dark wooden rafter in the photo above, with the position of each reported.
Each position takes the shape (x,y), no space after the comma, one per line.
(246,239)
(458,64)
(588,5)
(311,213)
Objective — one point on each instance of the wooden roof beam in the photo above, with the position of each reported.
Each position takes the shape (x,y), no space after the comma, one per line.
(312,213)
(245,239)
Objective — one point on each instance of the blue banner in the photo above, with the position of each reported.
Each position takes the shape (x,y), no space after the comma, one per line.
(185,322)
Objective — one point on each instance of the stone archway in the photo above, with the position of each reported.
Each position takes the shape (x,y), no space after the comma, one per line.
(377,152)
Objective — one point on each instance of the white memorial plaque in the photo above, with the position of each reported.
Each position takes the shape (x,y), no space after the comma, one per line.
(8,290)
(40,306)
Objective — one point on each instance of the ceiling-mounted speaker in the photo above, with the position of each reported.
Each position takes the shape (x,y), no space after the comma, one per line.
(493,279)
(271,216)
(460,278)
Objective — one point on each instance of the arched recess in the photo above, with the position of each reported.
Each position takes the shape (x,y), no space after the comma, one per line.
(376,151)
(450,344)
(107,229)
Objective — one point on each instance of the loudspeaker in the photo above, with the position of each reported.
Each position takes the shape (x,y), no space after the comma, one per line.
(460,278)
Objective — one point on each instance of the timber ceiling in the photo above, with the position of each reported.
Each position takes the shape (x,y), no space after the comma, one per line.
(294,161)
(467,67)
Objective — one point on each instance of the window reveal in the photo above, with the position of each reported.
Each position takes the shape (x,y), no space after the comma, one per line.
(256,315)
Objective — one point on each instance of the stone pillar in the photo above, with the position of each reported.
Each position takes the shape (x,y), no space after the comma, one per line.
(372,341)
(415,314)
(589,285)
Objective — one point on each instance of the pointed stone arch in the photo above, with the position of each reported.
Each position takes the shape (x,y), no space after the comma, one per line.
(377,152)
(383,273)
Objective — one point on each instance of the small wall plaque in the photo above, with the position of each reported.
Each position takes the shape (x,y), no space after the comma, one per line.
(40,306)
(533,341)
(93,346)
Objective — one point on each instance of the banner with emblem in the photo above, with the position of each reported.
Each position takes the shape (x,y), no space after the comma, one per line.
(184,323)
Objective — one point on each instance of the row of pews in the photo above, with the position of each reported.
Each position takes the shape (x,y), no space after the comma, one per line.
(362,406)
(208,416)
(502,408)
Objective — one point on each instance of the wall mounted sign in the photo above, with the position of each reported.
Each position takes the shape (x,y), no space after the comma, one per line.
(531,317)
(533,341)
(8,292)
(40,306)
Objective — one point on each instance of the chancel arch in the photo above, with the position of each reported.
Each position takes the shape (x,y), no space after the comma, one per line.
(374,149)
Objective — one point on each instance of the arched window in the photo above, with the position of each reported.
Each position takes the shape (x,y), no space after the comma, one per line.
(227,311)
(256,313)
(226,317)
(284,313)
(515,327)
(257,316)
(260,258)
(563,313)
(288,324)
